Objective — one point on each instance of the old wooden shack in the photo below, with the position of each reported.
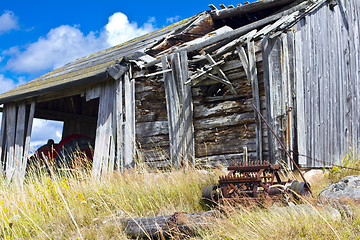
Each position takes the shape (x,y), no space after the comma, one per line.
(184,94)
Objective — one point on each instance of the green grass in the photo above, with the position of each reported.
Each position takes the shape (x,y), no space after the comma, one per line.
(80,207)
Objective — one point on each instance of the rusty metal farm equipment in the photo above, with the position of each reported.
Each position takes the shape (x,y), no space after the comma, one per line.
(253,181)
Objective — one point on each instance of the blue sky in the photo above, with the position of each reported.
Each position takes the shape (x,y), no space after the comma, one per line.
(39,36)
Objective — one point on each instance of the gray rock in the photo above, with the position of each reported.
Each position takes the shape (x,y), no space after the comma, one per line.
(344,190)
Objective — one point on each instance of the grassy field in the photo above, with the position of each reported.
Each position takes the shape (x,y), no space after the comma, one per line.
(81,208)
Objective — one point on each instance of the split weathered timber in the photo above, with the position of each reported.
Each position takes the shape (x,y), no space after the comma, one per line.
(2,142)
(255,94)
(167,225)
(10,112)
(19,143)
(118,124)
(25,157)
(179,109)
(129,123)
(103,132)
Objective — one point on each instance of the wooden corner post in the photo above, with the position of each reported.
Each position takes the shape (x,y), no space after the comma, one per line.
(179,109)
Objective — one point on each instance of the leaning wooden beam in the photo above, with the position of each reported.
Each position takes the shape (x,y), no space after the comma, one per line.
(244,61)
(10,140)
(221,73)
(256,96)
(19,143)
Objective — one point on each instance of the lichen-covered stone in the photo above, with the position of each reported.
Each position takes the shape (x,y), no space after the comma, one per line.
(346,189)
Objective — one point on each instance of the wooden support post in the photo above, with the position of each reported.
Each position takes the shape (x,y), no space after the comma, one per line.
(187,137)
(129,125)
(2,143)
(27,142)
(256,96)
(10,111)
(271,49)
(179,109)
(118,124)
(300,101)
(103,131)
(19,143)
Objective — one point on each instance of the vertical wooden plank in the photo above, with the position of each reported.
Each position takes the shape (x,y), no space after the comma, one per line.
(273,88)
(27,140)
(300,101)
(187,111)
(10,140)
(286,93)
(129,131)
(107,127)
(292,93)
(2,143)
(103,131)
(119,124)
(173,107)
(19,143)
(179,109)
(256,96)
(97,160)
(266,47)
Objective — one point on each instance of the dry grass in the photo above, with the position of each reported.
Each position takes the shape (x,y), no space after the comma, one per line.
(43,209)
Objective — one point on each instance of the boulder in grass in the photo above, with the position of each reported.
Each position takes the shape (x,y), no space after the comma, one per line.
(344,190)
(314,176)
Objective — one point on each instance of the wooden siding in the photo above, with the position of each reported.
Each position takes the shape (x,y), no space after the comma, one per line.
(328,44)
(224,127)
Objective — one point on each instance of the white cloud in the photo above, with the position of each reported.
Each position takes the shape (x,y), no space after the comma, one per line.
(60,46)
(172,19)
(66,43)
(8,84)
(8,21)
(119,29)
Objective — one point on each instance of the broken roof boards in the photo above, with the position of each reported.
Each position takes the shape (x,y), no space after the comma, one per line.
(185,92)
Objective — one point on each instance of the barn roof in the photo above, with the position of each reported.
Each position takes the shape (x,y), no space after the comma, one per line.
(191,34)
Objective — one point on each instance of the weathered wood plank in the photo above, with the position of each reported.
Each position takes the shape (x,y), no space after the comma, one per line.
(118,124)
(30,120)
(256,96)
(129,124)
(2,142)
(147,129)
(19,143)
(92,92)
(173,111)
(244,61)
(187,138)
(10,112)
(300,101)
(103,131)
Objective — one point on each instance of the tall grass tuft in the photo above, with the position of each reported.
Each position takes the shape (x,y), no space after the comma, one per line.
(77,207)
